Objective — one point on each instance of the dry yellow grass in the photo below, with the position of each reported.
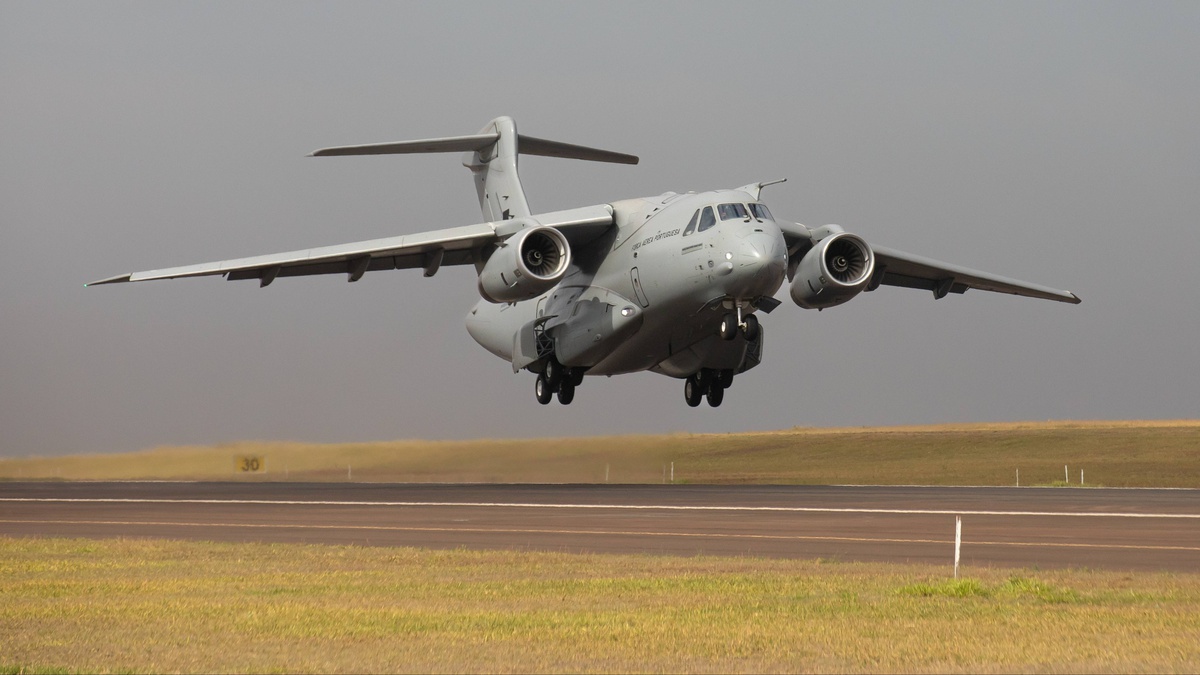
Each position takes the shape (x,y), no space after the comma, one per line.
(162,606)
(1123,453)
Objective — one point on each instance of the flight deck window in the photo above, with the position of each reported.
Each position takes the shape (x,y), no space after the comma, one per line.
(760,211)
(731,211)
(691,226)
(707,219)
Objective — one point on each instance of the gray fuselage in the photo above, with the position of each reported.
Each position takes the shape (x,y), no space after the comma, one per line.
(650,293)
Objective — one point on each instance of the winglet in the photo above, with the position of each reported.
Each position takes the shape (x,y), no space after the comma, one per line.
(120,278)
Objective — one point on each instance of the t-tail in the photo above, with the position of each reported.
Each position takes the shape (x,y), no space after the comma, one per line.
(491,155)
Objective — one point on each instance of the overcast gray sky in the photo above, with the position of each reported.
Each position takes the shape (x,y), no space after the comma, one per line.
(1052,142)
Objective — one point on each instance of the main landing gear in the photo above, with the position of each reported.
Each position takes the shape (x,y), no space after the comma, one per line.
(557,379)
(708,383)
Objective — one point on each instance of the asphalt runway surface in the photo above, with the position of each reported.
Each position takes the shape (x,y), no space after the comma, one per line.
(1001,527)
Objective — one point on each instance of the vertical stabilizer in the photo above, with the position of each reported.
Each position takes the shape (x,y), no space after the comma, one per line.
(501,196)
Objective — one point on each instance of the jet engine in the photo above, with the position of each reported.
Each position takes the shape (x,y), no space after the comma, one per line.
(525,265)
(834,270)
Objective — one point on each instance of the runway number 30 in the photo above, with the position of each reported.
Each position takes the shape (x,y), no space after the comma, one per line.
(250,464)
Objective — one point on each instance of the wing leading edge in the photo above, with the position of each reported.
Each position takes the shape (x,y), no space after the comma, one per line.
(897,268)
(425,250)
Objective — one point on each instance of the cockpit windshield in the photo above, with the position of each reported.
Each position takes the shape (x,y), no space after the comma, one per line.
(760,211)
(731,211)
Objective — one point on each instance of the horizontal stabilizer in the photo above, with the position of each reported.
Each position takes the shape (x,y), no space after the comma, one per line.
(449,144)
(526,145)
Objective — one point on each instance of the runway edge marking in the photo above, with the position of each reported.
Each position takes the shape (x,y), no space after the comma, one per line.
(691,535)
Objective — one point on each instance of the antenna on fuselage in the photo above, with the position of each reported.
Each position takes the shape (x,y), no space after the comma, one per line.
(755,189)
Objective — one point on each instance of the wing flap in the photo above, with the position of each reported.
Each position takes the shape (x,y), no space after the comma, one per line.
(897,268)
(423,250)
(458,246)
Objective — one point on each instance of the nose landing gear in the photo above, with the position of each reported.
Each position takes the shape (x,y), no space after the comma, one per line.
(731,324)
(708,383)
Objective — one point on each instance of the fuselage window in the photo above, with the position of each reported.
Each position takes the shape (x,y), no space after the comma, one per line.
(691,226)
(760,211)
(731,211)
(707,219)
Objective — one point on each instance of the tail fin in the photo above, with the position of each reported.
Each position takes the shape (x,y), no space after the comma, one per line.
(492,156)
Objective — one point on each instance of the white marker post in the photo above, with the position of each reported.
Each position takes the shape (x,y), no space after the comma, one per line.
(606,473)
(673,473)
(1018,478)
(957,542)
(1066,475)
(1081,476)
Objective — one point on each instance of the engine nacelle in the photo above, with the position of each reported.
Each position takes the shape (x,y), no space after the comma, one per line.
(834,270)
(525,265)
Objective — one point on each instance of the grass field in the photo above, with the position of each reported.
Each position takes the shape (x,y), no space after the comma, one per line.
(1115,454)
(163,606)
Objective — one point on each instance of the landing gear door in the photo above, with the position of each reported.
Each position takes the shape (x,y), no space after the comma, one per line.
(531,345)
(637,288)
(754,352)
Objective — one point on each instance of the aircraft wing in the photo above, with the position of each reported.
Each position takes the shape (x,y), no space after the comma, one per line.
(897,268)
(426,250)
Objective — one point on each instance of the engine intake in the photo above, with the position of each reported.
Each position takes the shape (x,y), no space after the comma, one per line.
(834,270)
(525,265)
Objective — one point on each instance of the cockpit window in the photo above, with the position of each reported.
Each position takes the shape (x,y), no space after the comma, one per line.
(691,226)
(731,211)
(707,219)
(760,211)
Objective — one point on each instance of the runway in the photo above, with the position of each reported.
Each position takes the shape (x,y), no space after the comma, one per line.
(1002,527)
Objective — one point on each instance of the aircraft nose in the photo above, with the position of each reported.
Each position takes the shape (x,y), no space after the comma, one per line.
(760,261)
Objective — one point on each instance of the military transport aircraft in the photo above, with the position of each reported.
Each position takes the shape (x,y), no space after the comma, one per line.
(669,283)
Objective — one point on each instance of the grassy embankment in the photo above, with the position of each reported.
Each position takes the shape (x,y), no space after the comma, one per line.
(163,606)
(1115,454)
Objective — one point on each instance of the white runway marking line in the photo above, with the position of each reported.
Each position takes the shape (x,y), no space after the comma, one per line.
(694,535)
(634,507)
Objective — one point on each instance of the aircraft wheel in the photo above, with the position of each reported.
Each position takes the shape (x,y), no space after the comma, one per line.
(751,328)
(725,378)
(553,373)
(542,390)
(692,391)
(729,327)
(576,376)
(566,392)
(716,394)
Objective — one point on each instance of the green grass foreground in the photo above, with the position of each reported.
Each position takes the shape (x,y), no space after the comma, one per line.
(169,606)
(1113,454)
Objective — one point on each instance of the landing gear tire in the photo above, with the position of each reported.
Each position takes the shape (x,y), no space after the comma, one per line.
(543,390)
(566,392)
(750,330)
(576,376)
(729,327)
(716,394)
(725,378)
(692,391)
(553,373)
